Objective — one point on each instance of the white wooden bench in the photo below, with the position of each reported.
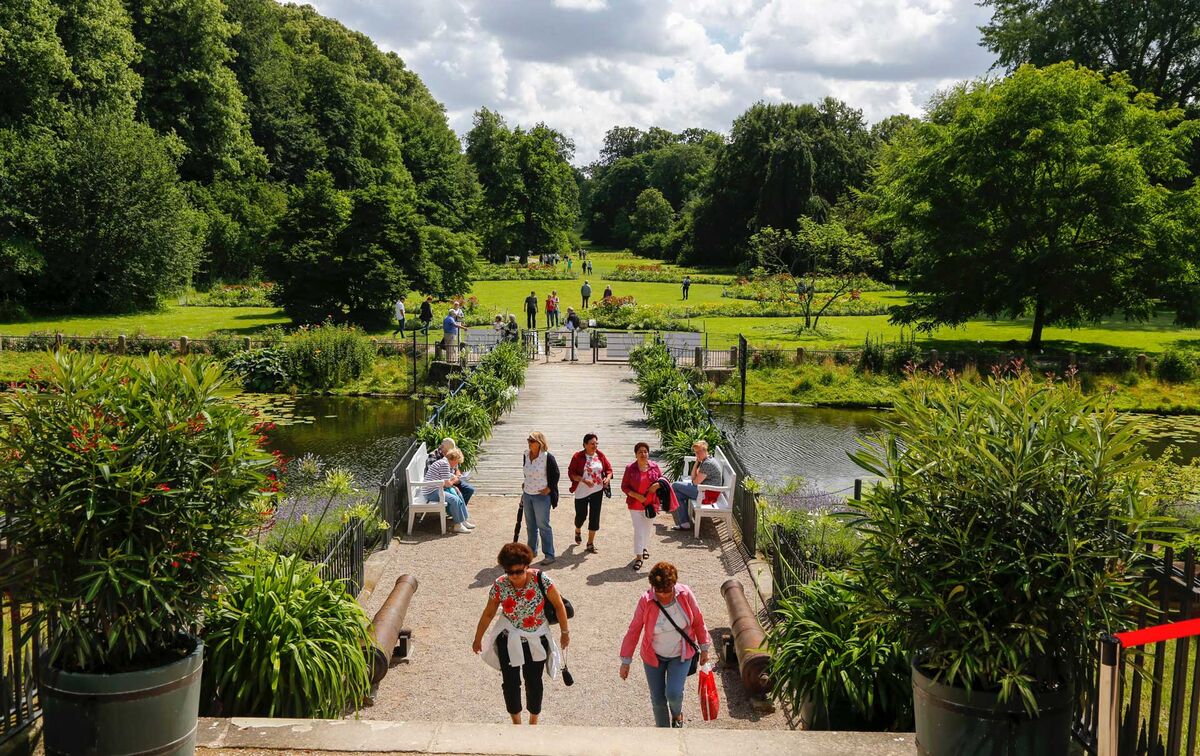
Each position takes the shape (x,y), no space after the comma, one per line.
(722,508)
(419,502)
(481,337)
(679,340)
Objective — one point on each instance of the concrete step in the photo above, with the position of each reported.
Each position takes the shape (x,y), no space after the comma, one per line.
(360,736)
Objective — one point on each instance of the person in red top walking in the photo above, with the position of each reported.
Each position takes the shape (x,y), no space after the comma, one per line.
(590,475)
(640,486)
(672,632)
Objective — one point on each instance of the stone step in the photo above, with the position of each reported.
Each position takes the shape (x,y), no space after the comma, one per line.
(351,736)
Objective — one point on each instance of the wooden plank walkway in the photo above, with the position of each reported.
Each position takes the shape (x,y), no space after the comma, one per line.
(565,400)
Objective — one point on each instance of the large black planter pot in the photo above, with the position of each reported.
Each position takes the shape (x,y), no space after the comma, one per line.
(152,711)
(952,722)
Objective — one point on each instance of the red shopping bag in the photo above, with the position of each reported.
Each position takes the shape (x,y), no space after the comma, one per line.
(710,702)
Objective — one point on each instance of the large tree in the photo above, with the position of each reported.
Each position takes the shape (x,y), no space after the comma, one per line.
(782,161)
(531,198)
(1042,194)
(1155,42)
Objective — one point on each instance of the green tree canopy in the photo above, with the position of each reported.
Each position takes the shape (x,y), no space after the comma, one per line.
(1041,194)
(531,198)
(1156,43)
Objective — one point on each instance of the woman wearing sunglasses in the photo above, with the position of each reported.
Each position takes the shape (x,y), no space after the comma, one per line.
(520,644)
(539,494)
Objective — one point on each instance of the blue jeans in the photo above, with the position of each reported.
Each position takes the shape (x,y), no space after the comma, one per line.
(455,506)
(537,522)
(467,490)
(683,492)
(666,687)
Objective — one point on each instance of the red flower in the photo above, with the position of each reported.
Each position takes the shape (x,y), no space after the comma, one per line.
(540,607)
(530,622)
(162,487)
(175,563)
(529,594)
(113,447)
(144,499)
(509,605)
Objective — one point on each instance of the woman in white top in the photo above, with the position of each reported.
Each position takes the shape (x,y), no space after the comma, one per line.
(590,474)
(443,473)
(539,494)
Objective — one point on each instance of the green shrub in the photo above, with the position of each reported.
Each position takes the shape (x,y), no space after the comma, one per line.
(801,539)
(655,382)
(854,673)
(874,356)
(1175,366)
(471,419)
(675,411)
(283,642)
(491,392)
(1011,530)
(129,488)
(327,356)
(507,362)
(262,370)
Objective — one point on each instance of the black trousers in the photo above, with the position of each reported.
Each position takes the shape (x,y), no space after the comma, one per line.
(589,509)
(531,320)
(531,670)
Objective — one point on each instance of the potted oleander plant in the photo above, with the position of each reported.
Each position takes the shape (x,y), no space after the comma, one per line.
(128,488)
(1008,533)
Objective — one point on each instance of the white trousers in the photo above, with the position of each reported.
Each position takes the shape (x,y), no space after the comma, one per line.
(642,527)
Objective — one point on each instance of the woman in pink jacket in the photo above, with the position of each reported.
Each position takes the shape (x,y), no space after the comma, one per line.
(672,632)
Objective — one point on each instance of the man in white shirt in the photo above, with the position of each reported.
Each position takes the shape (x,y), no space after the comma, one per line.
(399,318)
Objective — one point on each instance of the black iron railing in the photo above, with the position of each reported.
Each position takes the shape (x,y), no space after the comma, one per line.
(22,638)
(1145,700)
(344,561)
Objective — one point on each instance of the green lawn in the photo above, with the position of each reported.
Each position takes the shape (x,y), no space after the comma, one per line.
(508,296)
(193,322)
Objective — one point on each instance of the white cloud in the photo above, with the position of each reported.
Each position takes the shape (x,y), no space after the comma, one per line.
(583,66)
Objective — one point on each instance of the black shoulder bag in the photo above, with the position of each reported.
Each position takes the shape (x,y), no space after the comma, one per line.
(686,637)
(551,612)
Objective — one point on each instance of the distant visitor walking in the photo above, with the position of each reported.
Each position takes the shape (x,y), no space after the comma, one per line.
(591,475)
(539,494)
(426,315)
(520,643)
(608,291)
(687,284)
(672,632)
(585,291)
(531,308)
(399,318)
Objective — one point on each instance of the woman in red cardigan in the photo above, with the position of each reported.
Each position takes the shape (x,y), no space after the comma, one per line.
(590,475)
(672,631)
(640,486)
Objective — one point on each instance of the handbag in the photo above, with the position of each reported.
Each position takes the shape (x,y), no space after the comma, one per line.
(686,637)
(550,611)
(710,702)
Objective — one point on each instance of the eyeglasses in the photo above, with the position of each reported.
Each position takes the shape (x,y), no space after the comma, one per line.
(531,440)
(518,571)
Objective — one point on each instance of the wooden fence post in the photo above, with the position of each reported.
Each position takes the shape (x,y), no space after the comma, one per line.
(246,343)
(121,345)
(58,339)
(698,360)
(799,355)
(183,345)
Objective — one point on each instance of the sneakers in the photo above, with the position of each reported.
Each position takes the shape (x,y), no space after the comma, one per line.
(468,525)
(460,528)
(548,561)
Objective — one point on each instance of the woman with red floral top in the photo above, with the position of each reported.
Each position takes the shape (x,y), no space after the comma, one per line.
(640,486)
(520,643)
(590,474)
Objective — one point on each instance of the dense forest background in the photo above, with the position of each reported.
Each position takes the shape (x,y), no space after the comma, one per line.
(147,146)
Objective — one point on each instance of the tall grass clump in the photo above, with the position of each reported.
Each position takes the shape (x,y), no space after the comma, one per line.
(327,356)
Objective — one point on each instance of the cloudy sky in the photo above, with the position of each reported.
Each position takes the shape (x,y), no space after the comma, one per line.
(583,66)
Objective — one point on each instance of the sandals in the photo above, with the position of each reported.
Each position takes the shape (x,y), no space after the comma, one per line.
(637,565)
(578,538)
(591,548)
(645,554)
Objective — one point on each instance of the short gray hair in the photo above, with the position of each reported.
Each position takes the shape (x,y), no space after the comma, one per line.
(448,440)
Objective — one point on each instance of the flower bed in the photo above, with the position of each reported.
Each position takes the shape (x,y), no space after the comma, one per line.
(662,274)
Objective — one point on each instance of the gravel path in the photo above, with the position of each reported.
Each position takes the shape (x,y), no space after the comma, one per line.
(444,681)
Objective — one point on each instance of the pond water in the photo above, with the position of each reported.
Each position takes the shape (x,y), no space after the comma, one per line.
(778,443)
(365,435)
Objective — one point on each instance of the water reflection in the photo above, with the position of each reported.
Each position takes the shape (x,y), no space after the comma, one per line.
(365,435)
(777,443)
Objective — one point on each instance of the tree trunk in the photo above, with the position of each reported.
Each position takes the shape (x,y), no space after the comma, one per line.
(1039,321)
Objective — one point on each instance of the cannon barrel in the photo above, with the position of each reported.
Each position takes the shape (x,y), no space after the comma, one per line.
(385,628)
(748,639)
